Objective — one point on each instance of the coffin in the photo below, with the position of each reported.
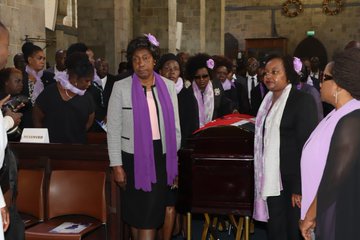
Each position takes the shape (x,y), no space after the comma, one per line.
(216,170)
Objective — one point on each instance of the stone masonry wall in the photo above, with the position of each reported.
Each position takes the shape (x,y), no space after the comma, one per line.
(333,31)
(22,17)
(96,28)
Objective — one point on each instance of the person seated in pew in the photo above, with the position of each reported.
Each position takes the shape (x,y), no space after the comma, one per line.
(65,108)
(11,84)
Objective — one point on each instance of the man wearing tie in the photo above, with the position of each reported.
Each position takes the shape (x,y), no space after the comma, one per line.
(248,83)
(315,73)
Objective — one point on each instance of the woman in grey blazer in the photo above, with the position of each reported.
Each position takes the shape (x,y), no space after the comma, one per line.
(143,139)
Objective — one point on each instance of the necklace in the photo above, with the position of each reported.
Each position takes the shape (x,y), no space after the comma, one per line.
(67,94)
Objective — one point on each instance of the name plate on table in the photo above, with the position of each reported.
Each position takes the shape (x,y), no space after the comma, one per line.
(35,135)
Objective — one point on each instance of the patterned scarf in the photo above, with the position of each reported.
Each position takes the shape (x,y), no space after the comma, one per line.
(35,88)
(267,159)
(144,164)
(205,102)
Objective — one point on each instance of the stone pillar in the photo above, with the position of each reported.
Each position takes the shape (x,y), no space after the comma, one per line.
(188,12)
(172,26)
(215,15)
(123,29)
(96,28)
(202,31)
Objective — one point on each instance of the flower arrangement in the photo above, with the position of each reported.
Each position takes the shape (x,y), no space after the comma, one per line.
(298,5)
(152,39)
(333,12)
(217,91)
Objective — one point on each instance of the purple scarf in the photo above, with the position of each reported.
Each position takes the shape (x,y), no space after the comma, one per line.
(144,163)
(315,152)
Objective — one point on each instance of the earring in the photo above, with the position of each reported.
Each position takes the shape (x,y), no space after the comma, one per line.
(336,96)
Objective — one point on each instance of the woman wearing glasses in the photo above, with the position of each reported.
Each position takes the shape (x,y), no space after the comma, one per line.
(330,158)
(210,98)
(284,121)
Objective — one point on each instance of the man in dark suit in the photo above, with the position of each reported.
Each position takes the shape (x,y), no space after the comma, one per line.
(101,92)
(315,73)
(259,92)
(49,74)
(247,84)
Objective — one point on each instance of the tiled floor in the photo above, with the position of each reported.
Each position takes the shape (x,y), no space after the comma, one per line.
(197,225)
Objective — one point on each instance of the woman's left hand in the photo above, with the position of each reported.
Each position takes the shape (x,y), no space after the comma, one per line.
(296,200)
(5,218)
(306,227)
(176,183)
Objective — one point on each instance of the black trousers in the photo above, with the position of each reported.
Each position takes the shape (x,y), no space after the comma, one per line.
(283,223)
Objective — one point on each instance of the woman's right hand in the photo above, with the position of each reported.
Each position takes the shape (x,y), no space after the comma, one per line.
(120,176)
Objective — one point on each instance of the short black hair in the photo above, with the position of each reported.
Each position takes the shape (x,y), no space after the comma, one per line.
(195,63)
(222,61)
(288,63)
(167,57)
(5,76)
(78,63)
(29,49)
(76,47)
(141,43)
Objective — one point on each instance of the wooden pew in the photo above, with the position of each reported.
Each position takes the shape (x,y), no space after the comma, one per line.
(75,157)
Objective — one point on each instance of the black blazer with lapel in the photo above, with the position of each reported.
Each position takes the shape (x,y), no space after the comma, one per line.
(256,98)
(111,79)
(188,113)
(298,121)
(242,92)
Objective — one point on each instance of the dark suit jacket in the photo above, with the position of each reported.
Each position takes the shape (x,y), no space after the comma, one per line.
(111,79)
(298,121)
(101,99)
(188,113)
(256,98)
(316,83)
(242,92)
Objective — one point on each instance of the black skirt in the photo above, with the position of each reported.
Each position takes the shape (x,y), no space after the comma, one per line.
(145,209)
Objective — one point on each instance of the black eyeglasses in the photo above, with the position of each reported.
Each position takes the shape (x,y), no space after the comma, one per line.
(327,77)
(201,76)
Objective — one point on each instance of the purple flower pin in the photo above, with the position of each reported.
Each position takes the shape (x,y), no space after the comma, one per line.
(152,39)
(210,63)
(297,65)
